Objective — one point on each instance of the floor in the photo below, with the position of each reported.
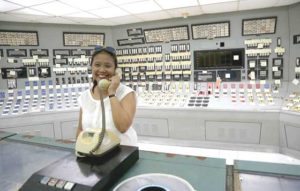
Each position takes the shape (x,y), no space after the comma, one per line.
(229,155)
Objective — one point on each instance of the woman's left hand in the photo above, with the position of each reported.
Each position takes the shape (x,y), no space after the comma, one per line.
(115,82)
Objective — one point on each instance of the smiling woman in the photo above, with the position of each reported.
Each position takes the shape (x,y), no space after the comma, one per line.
(119,100)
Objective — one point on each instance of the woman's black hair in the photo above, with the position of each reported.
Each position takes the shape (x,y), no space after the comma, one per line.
(95,53)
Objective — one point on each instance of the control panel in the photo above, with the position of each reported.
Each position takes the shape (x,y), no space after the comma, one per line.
(163,65)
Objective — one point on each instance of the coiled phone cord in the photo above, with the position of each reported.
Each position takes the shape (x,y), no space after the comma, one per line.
(101,135)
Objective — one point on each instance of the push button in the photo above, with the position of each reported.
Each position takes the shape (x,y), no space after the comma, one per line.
(45,180)
(69,186)
(52,182)
(60,184)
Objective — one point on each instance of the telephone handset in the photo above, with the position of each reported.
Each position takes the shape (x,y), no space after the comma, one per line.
(104,83)
(97,141)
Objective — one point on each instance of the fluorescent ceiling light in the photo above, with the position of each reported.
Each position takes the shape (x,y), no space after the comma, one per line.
(87,4)
(29,12)
(6,6)
(167,4)
(56,8)
(110,12)
(28,3)
(141,7)
(207,2)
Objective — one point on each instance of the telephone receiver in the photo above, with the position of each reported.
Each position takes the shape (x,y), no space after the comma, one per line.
(96,142)
(104,83)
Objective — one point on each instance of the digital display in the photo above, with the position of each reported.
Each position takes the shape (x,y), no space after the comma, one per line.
(209,59)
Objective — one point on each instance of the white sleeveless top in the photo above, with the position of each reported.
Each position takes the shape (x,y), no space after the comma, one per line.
(92,114)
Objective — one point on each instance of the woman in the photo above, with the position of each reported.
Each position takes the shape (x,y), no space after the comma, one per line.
(119,100)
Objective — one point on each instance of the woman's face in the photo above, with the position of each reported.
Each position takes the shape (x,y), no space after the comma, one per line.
(103,66)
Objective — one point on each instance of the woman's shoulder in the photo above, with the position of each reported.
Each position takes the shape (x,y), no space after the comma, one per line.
(85,93)
(85,100)
(123,90)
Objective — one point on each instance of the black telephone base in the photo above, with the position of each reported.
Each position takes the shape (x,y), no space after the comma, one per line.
(86,174)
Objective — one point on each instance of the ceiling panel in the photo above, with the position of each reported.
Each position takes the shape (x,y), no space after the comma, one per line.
(59,20)
(115,12)
(125,19)
(7,6)
(87,4)
(29,2)
(219,7)
(286,2)
(55,8)
(104,22)
(209,2)
(81,14)
(166,4)
(28,11)
(122,2)
(188,11)
(158,15)
(82,21)
(110,12)
(141,7)
(256,4)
